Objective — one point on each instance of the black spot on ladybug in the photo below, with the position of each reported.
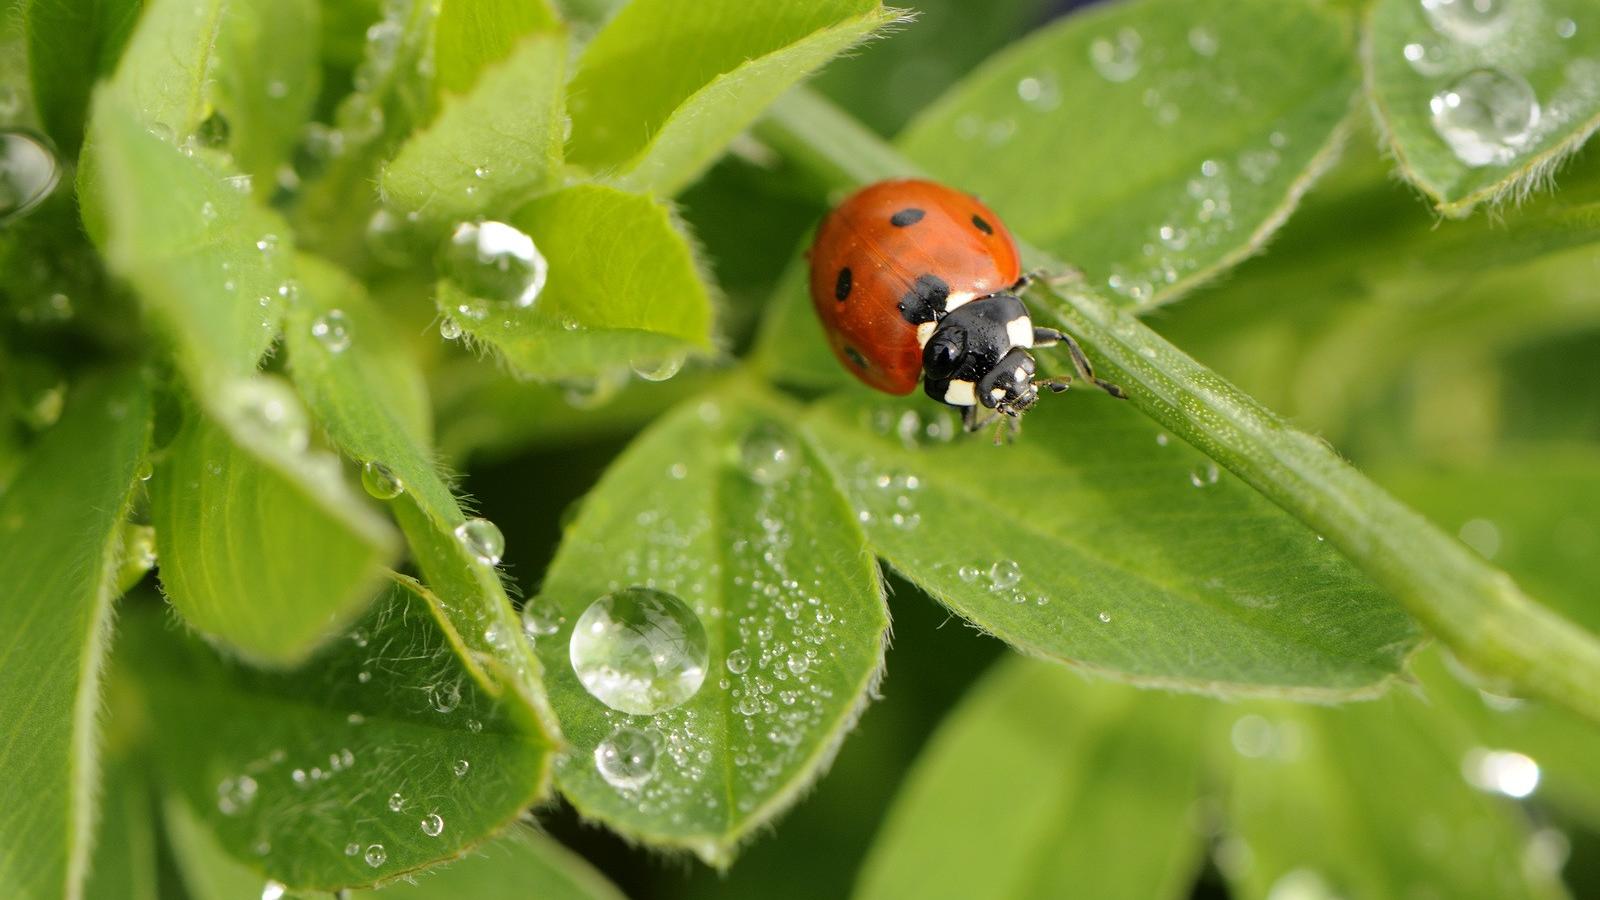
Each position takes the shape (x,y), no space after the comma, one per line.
(925,301)
(981,225)
(856,357)
(908,216)
(841,285)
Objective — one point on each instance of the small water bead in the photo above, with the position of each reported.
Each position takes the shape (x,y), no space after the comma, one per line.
(768,454)
(1117,58)
(1472,21)
(28,173)
(1566,29)
(1004,575)
(380,481)
(1501,772)
(968,574)
(396,802)
(332,331)
(482,539)
(273,890)
(659,369)
(626,759)
(1205,477)
(445,697)
(461,768)
(540,619)
(639,651)
(1175,237)
(1486,116)
(449,329)
(797,664)
(738,662)
(1104,617)
(433,825)
(495,261)
(1426,58)
(352,849)
(268,408)
(376,855)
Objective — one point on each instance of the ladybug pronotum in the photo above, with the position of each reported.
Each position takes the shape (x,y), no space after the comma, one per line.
(914,279)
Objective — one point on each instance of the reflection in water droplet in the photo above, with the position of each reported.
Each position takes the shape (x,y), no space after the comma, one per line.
(376,855)
(626,759)
(433,825)
(768,454)
(1486,116)
(494,261)
(1472,21)
(482,539)
(267,408)
(639,651)
(1501,771)
(28,173)
(1117,58)
(380,481)
(332,330)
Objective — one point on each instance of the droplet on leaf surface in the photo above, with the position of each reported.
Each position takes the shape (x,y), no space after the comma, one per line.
(639,651)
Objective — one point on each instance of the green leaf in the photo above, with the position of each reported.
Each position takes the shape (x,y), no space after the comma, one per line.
(1367,800)
(71,45)
(1533,67)
(268,552)
(623,288)
(1480,614)
(720,505)
(665,86)
(491,148)
(124,864)
(1150,144)
(204,260)
(59,533)
(266,82)
(474,34)
(163,72)
(359,394)
(508,868)
(344,762)
(208,872)
(1098,540)
(1042,784)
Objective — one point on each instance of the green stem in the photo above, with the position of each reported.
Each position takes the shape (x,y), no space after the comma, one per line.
(1475,609)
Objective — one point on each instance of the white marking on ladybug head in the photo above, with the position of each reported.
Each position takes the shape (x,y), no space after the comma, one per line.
(1020,331)
(954,301)
(1021,375)
(961,393)
(997,393)
(925,332)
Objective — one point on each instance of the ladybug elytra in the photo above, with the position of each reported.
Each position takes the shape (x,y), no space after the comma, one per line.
(912,278)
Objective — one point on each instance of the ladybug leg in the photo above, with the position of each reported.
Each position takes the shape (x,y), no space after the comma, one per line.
(1045,337)
(1057,384)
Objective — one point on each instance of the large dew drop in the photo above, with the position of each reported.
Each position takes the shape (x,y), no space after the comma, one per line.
(494,261)
(28,173)
(639,651)
(1473,21)
(380,481)
(1486,116)
(626,759)
(482,539)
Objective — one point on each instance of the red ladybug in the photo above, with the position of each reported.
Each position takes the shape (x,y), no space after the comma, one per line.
(912,278)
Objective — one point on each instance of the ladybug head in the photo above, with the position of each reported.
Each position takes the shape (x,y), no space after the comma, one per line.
(978,356)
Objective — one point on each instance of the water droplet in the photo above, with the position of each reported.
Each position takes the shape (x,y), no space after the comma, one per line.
(1042,92)
(268,409)
(1486,116)
(376,855)
(540,619)
(738,662)
(1174,236)
(1300,884)
(658,370)
(396,802)
(1104,617)
(1117,59)
(1481,535)
(208,211)
(1472,21)
(639,651)
(482,539)
(273,890)
(449,328)
(332,330)
(768,454)
(352,849)
(1203,40)
(1501,771)
(1566,29)
(461,768)
(235,794)
(797,664)
(626,759)
(1004,575)
(433,825)
(495,261)
(444,697)
(1426,57)
(968,574)
(1206,476)
(380,481)
(28,173)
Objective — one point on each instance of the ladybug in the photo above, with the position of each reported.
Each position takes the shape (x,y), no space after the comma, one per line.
(915,279)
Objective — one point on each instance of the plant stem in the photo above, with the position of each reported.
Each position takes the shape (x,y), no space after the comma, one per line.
(1475,609)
